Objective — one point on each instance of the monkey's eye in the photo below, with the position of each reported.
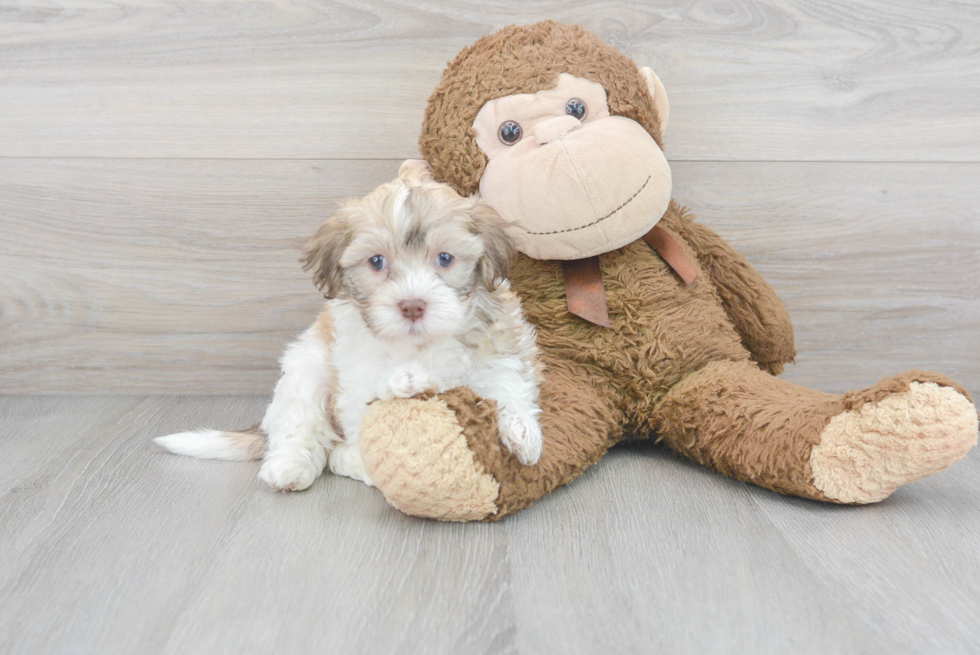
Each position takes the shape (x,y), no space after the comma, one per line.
(509,133)
(575,107)
(445,260)
(377,262)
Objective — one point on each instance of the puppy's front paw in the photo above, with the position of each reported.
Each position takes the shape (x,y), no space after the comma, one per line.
(521,434)
(289,472)
(405,383)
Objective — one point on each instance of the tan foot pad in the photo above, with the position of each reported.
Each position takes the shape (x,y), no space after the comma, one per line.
(865,454)
(416,454)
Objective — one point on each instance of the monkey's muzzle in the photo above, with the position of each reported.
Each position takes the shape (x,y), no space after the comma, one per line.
(575,191)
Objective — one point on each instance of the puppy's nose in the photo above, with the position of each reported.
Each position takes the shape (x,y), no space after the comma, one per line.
(412,309)
(555,128)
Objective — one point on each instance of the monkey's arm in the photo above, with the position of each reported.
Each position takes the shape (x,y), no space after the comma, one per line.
(752,305)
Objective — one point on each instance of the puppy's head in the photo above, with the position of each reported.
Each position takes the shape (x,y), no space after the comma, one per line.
(414,256)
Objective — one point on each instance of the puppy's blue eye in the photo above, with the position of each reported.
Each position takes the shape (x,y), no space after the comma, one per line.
(445,260)
(377,262)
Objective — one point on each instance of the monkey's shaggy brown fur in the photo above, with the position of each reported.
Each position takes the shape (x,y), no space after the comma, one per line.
(635,378)
(692,366)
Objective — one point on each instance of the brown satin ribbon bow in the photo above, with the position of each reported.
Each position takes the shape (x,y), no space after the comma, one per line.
(585,292)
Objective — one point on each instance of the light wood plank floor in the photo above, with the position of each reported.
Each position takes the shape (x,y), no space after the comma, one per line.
(112,546)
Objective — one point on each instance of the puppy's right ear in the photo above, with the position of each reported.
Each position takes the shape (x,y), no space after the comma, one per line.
(322,251)
(499,251)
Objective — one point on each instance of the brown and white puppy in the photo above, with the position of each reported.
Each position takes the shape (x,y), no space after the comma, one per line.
(417,302)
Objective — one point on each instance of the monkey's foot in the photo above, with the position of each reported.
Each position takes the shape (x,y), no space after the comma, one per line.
(893,433)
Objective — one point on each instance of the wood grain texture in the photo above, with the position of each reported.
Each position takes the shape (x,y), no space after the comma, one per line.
(184,272)
(175,276)
(917,583)
(878,264)
(112,546)
(748,79)
(650,554)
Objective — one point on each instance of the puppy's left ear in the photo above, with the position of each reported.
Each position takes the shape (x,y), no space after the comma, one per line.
(498,249)
(322,251)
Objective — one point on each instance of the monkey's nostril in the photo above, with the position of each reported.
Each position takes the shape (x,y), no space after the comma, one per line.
(412,309)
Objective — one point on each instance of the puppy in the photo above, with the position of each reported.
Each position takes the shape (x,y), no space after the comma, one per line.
(417,302)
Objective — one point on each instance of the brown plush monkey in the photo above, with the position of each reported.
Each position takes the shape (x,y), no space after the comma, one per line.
(562,134)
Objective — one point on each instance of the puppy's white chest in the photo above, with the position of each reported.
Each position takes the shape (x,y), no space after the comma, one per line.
(364,367)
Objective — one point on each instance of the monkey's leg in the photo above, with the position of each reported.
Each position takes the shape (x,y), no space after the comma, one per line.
(855,448)
(442,458)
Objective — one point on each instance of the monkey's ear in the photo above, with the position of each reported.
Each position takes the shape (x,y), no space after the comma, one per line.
(659,94)
(322,251)
(415,171)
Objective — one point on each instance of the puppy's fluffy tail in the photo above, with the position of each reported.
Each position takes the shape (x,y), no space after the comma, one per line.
(214,444)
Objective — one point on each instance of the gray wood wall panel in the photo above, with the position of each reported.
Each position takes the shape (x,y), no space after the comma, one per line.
(159,160)
(748,79)
(181,276)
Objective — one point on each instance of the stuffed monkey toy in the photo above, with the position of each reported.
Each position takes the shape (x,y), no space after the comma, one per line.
(649,325)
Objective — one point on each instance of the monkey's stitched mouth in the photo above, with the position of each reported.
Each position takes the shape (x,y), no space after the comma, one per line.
(598,220)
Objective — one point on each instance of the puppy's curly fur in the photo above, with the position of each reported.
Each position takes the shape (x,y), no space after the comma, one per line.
(417,301)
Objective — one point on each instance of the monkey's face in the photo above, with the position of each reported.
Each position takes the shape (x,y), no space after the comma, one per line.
(571,179)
